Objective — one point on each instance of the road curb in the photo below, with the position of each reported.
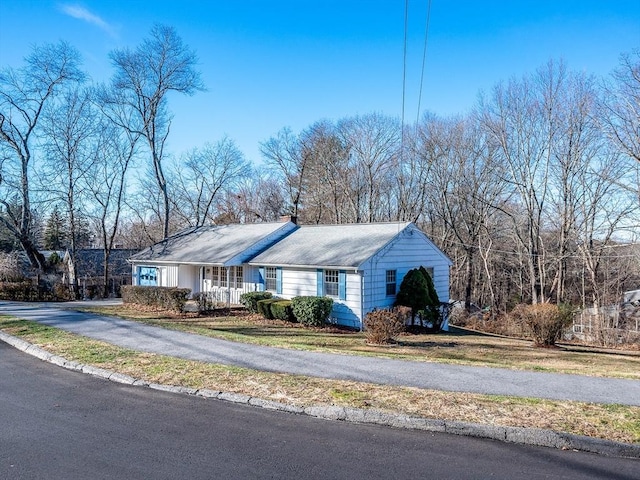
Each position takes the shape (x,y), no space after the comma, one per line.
(520,435)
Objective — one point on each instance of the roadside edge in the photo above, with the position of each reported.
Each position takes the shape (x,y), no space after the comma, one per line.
(519,435)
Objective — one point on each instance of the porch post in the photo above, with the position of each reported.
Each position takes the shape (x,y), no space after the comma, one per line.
(228,288)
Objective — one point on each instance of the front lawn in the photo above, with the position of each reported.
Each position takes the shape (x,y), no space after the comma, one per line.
(458,346)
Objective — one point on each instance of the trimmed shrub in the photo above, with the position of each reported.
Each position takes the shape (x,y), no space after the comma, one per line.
(265,307)
(312,311)
(282,310)
(250,300)
(206,301)
(163,298)
(545,321)
(22,291)
(384,326)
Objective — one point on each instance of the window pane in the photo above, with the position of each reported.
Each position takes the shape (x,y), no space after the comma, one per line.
(331,283)
(239,278)
(391,282)
(270,280)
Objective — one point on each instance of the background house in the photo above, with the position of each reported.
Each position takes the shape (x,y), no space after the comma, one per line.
(89,263)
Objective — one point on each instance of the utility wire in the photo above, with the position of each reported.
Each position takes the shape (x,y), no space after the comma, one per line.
(404,74)
(424,59)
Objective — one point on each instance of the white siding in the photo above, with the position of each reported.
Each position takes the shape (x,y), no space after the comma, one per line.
(188,276)
(406,252)
(303,282)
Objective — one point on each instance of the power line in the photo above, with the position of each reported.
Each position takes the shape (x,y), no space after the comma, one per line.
(424,59)
(404,74)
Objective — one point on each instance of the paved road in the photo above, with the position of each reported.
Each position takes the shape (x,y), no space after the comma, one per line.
(348,367)
(59,424)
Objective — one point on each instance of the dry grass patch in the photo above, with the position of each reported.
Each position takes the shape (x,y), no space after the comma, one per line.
(457,347)
(613,422)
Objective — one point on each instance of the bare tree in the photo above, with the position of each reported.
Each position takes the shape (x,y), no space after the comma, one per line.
(283,154)
(522,121)
(602,212)
(69,132)
(465,186)
(142,80)
(373,143)
(327,176)
(114,154)
(203,175)
(24,94)
(620,106)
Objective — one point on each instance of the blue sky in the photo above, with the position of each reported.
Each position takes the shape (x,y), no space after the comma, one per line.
(271,64)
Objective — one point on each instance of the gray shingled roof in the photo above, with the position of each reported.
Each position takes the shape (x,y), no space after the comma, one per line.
(347,245)
(213,245)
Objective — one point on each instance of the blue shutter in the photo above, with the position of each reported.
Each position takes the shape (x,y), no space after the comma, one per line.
(342,285)
(278,280)
(320,282)
(261,279)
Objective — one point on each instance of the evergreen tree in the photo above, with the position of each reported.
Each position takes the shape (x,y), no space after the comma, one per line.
(55,232)
(413,292)
(432,307)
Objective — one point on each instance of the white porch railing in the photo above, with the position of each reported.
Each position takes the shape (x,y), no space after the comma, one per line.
(223,294)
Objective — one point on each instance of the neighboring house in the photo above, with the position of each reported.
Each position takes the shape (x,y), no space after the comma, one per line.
(360,266)
(90,270)
(209,258)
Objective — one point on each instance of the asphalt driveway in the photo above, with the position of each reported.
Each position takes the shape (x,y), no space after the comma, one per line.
(425,375)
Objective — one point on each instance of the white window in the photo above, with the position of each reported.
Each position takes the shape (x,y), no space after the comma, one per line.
(239,277)
(215,276)
(331,279)
(223,277)
(391,283)
(270,279)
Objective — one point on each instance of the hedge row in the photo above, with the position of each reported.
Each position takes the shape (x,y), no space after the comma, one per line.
(276,309)
(250,300)
(311,311)
(164,298)
(28,291)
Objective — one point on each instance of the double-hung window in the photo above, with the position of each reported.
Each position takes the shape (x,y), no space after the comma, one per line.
(270,279)
(391,282)
(215,276)
(239,277)
(331,279)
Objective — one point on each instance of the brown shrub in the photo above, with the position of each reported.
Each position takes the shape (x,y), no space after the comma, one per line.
(545,321)
(384,326)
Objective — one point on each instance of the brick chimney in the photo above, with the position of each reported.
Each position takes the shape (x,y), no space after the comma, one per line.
(289,218)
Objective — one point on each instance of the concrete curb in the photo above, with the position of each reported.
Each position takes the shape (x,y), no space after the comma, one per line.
(520,435)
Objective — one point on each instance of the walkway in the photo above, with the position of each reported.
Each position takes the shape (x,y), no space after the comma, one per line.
(424,375)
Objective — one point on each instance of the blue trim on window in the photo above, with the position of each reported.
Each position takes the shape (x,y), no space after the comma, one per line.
(342,285)
(278,280)
(261,279)
(320,282)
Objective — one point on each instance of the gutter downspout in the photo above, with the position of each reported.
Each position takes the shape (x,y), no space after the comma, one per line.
(361,300)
